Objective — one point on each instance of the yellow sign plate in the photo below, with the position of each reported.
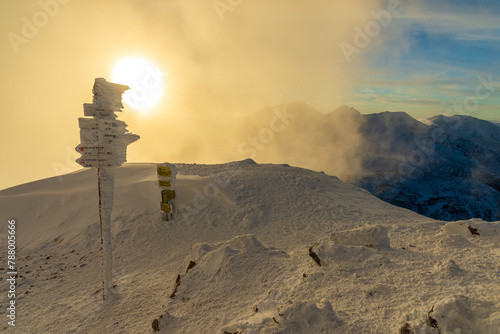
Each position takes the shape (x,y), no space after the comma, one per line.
(166,207)
(167,195)
(165,183)
(164,171)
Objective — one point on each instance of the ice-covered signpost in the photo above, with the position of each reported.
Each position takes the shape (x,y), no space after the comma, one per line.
(104,141)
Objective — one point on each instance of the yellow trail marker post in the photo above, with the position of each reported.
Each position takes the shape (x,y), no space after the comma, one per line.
(166,181)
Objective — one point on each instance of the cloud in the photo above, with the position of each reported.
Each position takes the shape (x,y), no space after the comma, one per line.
(414,101)
(262,53)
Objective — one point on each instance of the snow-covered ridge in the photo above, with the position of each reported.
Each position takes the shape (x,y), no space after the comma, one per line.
(264,249)
(447,168)
(442,167)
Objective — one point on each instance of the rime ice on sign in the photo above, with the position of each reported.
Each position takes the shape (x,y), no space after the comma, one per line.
(104,141)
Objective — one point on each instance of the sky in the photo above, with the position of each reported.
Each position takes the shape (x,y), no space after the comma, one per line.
(219,60)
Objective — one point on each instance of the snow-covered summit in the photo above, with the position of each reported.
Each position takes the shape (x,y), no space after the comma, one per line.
(443,167)
(477,130)
(255,249)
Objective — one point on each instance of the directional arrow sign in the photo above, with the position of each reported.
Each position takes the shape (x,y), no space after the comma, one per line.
(96,137)
(90,137)
(104,159)
(93,162)
(109,125)
(97,153)
(82,148)
(86,148)
(88,123)
(94,150)
(92,110)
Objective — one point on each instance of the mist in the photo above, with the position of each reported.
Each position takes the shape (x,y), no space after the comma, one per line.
(218,66)
(261,55)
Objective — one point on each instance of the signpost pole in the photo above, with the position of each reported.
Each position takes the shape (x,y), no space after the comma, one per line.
(105,181)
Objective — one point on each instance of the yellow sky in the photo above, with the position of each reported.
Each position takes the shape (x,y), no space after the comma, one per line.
(218,62)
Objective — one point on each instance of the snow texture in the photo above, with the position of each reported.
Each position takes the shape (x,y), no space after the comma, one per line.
(259,249)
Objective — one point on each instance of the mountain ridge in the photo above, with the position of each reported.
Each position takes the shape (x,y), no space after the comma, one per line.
(397,157)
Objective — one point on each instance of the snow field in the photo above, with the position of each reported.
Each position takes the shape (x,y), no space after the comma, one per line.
(250,253)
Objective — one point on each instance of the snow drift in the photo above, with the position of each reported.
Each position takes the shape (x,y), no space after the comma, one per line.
(255,249)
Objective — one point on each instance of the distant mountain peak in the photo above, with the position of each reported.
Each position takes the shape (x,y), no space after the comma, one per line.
(464,126)
(299,104)
(345,109)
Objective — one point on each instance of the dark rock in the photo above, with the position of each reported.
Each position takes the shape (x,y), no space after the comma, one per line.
(156,325)
(314,256)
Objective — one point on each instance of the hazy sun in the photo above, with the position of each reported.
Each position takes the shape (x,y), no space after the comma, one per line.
(145,80)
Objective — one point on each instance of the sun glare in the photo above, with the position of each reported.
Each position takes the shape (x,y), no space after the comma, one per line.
(145,79)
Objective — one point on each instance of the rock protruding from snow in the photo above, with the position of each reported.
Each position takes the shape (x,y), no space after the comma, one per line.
(373,236)
(456,314)
(210,257)
(473,232)
(224,275)
(242,274)
(461,228)
(354,247)
(289,318)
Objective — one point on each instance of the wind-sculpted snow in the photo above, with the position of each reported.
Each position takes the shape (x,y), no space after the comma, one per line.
(456,313)
(248,284)
(268,249)
(350,281)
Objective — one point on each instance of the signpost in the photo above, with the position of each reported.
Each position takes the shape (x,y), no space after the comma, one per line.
(166,181)
(104,141)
